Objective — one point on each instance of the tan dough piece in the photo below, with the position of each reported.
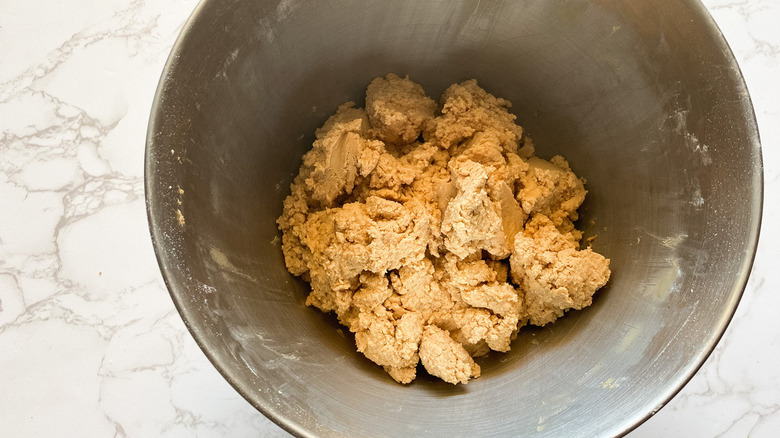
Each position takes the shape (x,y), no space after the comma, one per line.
(446,359)
(406,224)
(387,341)
(467,109)
(398,108)
(555,275)
(552,189)
(336,160)
(375,236)
(471,221)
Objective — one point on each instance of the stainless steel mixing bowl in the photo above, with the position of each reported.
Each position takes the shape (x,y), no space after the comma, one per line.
(644,98)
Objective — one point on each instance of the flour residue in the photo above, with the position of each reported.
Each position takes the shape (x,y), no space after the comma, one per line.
(669,280)
(229,60)
(672,242)
(223,262)
(629,336)
(612,382)
(692,142)
(265,27)
(700,152)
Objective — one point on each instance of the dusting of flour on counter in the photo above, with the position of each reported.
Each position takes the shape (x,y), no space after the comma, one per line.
(432,231)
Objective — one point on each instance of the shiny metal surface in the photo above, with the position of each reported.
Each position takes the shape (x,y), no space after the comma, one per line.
(643,98)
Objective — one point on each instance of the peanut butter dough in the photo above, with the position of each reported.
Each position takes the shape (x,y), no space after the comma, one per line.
(432,231)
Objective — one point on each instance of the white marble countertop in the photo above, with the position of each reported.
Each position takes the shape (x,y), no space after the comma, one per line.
(90,343)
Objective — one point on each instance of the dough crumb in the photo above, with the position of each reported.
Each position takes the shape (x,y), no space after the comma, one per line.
(433,232)
(180,217)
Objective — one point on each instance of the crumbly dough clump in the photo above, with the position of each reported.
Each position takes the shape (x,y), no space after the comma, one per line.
(432,231)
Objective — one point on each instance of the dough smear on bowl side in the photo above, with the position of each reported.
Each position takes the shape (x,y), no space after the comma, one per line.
(433,232)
